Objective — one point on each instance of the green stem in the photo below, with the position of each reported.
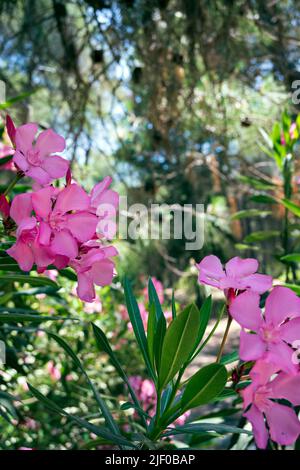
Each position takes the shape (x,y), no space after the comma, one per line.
(224,339)
(18,176)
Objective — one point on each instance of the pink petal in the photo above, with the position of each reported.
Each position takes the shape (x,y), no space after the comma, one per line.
(11,128)
(72,198)
(106,204)
(258,425)
(238,267)
(44,233)
(286,386)
(283,423)
(38,174)
(49,142)
(85,288)
(259,283)
(245,310)
(26,224)
(41,201)
(21,207)
(290,331)
(61,262)
(251,346)
(64,244)
(22,253)
(82,225)
(25,136)
(263,370)
(20,160)
(282,355)
(100,188)
(55,166)
(42,256)
(102,272)
(210,270)
(282,303)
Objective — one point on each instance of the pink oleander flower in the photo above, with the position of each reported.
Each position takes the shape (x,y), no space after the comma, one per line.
(64,218)
(53,371)
(261,409)
(159,290)
(239,275)
(105,203)
(93,266)
(27,250)
(273,331)
(36,159)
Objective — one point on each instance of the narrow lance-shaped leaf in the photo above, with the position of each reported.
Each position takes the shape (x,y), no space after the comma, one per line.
(98,430)
(102,405)
(137,325)
(179,343)
(104,345)
(204,386)
(160,324)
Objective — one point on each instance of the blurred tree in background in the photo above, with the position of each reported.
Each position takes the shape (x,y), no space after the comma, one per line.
(168,96)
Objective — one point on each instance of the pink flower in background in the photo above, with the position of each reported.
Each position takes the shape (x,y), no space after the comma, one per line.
(93,266)
(36,159)
(279,327)
(239,275)
(93,307)
(63,218)
(259,396)
(293,131)
(25,448)
(105,203)
(159,290)
(53,371)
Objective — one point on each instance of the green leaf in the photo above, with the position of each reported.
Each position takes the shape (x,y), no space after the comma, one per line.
(137,325)
(204,386)
(173,306)
(32,280)
(229,358)
(250,213)
(192,428)
(179,343)
(205,313)
(291,206)
(292,257)
(263,199)
(256,183)
(159,325)
(98,430)
(104,345)
(5,160)
(20,317)
(261,236)
(102,405)
(11,101)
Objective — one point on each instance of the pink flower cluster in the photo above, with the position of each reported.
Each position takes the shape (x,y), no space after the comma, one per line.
(267,337)
(60,226)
